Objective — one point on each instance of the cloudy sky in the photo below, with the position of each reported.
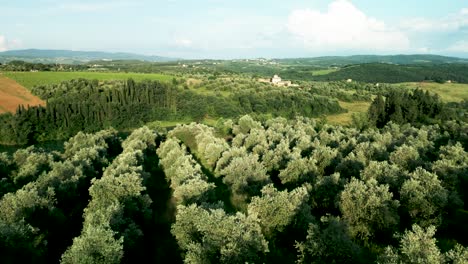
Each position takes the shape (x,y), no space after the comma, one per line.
(238,28)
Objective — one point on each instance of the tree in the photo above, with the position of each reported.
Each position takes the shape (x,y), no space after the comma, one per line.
(384,173)
(298,171)
(397,116)
(376,111)
(368,208)
(416,246)
(211,236)
(98,245)
(407,157)
(31,163)
(457,255)
(328,242)
(424,198)
(186,178)
(325,193)
(276,210)
(245,175)
(245,124)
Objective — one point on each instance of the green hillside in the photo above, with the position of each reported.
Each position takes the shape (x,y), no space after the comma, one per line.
(31,79)
(358,59)
(389,73)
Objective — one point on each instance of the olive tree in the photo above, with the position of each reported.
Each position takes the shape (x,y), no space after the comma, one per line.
(369,208)
(276,210)
(416,246)
(328,242)
(212,236)
(424,198)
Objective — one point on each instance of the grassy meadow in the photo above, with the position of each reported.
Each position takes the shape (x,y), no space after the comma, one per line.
(31,79)
(346,118)
(323,72)
(448,92)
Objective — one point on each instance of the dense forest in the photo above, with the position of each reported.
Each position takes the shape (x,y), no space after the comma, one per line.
(390,73)
(279,191)
(415,107)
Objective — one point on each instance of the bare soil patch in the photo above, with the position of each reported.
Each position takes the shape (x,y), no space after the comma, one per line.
(13,94)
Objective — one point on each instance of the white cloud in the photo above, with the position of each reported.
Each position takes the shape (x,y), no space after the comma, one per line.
(424,50)
(448,23)
(459,46)
(3,43)
(344,26)
(94,7)
(183,42)
(6,44)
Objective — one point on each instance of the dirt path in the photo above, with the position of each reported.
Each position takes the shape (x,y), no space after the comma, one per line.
(13,94)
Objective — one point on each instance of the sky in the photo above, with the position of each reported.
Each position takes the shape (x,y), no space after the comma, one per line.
(220,29)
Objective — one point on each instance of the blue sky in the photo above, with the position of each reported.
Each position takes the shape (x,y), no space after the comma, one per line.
(238,29)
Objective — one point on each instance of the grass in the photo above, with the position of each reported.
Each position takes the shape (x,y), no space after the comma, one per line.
(346,118)
(31,79)
(323,72)
(448,92)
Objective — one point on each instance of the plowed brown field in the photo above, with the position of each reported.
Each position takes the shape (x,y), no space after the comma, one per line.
(13,94)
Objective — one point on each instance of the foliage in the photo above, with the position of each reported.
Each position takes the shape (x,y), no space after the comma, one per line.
(254,195)
(211,236)
(87,105)
(368,208)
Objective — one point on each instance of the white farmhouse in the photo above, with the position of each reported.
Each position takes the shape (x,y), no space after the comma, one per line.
(276,79)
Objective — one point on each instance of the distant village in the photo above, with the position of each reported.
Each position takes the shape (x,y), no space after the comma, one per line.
(277,81)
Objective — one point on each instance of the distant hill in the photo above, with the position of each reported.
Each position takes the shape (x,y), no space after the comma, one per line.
(70,57)
(389,73)
(359,59)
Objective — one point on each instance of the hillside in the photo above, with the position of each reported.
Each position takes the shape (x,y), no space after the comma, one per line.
(358,59)
(69,56)
(388,73)
(13,94)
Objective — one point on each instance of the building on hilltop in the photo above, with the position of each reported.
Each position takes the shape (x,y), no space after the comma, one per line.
(277,81)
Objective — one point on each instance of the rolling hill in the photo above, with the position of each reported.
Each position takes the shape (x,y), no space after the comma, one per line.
(69,56)
(13,94)
(390,73)
(359,59)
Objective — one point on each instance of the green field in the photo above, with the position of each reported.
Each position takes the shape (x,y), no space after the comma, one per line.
(31,79)
(448,92)
(323,72)
(346,118)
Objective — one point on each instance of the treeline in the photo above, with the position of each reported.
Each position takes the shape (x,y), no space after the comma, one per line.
(27,66)
(417,106)
(281,191)
(390,73)
(84,105)
(341,90)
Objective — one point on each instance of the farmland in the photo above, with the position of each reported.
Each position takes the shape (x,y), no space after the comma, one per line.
(323,72)
(12,95)
(448,92)
(31,79)
(346,118)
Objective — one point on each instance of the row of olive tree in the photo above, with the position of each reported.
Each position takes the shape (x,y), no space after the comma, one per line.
(38,217)
(118,207)
(188,182)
